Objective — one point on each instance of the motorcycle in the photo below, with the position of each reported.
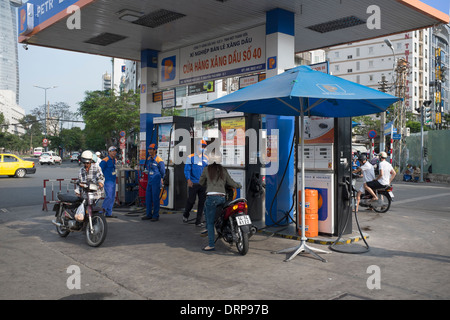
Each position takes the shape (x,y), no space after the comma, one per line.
(233,224)
(382,205)
(76,214)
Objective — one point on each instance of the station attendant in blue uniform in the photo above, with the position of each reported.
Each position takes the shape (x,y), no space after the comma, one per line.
(193,168)
(108,166)
(156,171)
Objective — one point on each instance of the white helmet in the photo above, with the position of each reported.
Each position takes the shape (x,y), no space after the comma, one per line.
(86,156)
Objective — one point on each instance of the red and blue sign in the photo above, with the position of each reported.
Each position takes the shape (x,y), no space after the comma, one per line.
(372,134)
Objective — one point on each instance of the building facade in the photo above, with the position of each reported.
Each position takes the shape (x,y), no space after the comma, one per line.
(368,62)
(11,111)
(9,62)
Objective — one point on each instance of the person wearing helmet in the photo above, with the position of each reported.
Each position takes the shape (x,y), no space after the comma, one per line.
(215,178)
(90,173)
(193,168)
(367,172)
(384,178)
(156,172)
(108,166)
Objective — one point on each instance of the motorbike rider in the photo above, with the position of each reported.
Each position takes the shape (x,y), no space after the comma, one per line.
(367,172)
(215,178)
(156,172)
(384,178)
(90,173)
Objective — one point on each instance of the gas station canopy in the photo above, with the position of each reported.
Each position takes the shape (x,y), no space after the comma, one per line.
(124,28)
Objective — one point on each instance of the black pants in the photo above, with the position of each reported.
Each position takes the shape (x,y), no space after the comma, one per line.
(192,194)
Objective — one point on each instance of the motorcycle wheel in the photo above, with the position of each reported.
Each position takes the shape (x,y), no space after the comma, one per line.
(96,238)
(382,205)
(62,231)
(242,241)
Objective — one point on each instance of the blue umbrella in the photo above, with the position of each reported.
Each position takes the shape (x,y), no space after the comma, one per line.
(302,91)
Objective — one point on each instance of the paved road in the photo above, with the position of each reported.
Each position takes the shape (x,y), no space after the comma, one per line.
(408,259)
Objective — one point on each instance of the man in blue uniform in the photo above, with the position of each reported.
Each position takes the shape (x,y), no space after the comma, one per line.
(156,171)
(193,168)
(108,166)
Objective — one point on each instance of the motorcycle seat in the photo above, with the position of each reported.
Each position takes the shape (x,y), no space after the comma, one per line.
(68,197)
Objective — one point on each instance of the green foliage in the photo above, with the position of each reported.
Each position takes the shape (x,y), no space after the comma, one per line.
(367,123)
(106,115)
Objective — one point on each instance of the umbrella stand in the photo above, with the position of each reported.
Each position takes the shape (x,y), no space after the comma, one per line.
(302,247)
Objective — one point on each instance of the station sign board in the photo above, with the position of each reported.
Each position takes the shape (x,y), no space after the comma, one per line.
(231,55)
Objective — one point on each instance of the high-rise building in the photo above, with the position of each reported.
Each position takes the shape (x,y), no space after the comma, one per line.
(367,62)
(439,65)
(12,112)
(9,62)
(106,81)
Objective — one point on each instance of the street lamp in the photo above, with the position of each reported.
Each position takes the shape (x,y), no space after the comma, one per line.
(46,106)
(383,114)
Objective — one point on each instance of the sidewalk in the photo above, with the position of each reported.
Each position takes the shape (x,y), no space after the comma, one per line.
(408,259)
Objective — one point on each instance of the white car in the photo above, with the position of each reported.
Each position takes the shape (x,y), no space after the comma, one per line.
(74,157)
(49,157)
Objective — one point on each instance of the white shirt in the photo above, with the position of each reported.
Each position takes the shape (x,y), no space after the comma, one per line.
(368,173)
(386,169)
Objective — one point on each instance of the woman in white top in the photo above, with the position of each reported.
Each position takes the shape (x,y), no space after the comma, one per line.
(368,174)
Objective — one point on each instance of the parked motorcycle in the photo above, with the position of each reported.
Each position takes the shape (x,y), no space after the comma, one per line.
(233,224)
(382,205)
(75,214)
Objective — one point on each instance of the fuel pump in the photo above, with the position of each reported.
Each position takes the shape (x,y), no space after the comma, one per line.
(239,147)
(174,144)
(327,160)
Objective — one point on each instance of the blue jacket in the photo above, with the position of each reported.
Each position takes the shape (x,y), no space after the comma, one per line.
(156,169)
(194,166)
(108,166)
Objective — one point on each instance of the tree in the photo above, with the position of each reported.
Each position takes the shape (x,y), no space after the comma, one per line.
(57,114)
(71,139)
(106,115)
(367,123)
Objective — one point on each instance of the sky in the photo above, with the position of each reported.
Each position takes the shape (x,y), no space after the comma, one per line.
(74,73)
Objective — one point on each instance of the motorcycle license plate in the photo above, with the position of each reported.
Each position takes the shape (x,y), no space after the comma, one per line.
(391,194)
(243,220)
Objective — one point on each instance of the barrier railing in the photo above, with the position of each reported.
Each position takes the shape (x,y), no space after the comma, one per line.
(52,183)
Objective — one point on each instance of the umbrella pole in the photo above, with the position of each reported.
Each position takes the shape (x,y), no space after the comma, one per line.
(302,247)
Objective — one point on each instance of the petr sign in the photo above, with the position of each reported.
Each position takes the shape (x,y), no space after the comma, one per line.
(44,11)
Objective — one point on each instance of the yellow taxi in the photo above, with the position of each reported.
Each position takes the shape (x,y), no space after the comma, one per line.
(11,165)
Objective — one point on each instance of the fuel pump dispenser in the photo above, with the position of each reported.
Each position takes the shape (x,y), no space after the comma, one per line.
(239,147)
(327,160)
(174,144)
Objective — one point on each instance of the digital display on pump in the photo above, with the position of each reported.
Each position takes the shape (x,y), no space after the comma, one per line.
(164,140)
